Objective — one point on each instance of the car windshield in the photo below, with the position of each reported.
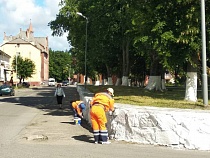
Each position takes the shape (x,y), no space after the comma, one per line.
(4,86)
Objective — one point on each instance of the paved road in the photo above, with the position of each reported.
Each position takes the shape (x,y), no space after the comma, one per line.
(33,126)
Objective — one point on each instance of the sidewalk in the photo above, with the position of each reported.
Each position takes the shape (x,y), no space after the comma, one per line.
(56,126)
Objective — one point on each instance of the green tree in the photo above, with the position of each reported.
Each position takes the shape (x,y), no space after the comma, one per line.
(59,65)
(171,30)
(122,33)
(25,67)
(108,35)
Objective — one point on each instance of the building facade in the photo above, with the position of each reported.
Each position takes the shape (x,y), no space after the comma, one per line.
(33,48)
(5,69)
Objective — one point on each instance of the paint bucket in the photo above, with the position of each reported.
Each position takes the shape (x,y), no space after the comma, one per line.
(77,121)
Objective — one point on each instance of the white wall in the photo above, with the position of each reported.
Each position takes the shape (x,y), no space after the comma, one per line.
(4,64)
(177,128)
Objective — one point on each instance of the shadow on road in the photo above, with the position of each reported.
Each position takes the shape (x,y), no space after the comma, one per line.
(84,138)
(43,98)
(86,125)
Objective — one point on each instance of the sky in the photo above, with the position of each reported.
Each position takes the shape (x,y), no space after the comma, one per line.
(16,14)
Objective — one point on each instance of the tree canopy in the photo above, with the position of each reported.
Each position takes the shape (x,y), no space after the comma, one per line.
(25,67)
(60,65)
(123,34)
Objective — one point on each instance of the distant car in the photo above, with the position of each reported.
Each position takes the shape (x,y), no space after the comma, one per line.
(51,82)
(65,83)
(24,84)
(7,90)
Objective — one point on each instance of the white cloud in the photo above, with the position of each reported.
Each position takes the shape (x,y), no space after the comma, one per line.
(16,14)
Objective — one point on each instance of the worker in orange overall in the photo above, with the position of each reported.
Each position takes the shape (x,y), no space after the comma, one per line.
(77,107)
(100,104)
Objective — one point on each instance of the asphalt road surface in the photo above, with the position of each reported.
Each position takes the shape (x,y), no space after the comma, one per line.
(33,126)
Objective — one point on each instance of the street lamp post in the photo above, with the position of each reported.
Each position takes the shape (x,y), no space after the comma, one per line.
(69,73)
(16,62)
(80,14)
(69,68)
(16,68)
(204,75)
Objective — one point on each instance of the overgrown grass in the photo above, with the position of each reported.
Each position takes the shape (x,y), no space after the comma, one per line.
(173,97)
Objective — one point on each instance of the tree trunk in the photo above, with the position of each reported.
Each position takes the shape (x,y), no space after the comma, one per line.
(191,84)
(110,82)
(163,80)
(104,79)
(155,73)
(125,81)
(191,87)
(154,83)
(118,82)
(109,74)
(125,49)
(163,84)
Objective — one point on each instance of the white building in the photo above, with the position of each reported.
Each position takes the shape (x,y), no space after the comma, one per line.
(33,48)
(5,69)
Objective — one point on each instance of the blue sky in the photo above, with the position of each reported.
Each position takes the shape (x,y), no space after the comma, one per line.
(16,14)
(40,2)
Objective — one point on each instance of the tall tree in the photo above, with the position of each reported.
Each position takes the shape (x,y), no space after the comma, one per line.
(59,65)
(25,67)
(172,31)
(165,33)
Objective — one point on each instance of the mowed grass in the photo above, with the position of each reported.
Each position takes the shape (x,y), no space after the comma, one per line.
(173,97)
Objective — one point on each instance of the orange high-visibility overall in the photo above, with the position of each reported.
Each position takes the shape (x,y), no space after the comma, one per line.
(101,103)
(76,109)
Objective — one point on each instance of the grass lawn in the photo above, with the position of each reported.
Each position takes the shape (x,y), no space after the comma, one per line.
(173,97)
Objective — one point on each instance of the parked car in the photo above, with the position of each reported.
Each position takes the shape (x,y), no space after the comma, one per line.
(51,82)
(65,83)
(24,84)
(7,90)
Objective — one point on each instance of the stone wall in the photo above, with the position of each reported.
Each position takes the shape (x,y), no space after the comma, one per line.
(180,128)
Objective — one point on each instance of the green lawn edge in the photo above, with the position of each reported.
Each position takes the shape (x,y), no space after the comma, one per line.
(173,97)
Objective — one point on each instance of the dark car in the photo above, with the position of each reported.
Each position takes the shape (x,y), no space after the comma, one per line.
(65,83)
(7,90)
(24,84)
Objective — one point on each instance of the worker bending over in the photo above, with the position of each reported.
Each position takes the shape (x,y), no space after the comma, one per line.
(100,104)
(78,107)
